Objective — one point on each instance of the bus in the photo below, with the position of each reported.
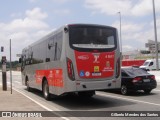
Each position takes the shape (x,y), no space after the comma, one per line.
(76,58)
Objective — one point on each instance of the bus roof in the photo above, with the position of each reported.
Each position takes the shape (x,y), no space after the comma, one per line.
(60,29)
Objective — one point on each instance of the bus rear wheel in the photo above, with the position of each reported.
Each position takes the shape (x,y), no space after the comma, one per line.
(46,93)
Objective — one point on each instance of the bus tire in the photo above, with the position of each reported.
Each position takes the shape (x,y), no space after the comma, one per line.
(45,90)
(27,84)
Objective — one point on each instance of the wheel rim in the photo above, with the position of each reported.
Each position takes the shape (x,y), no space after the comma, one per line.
(45,90)
(124,90)
(27,85)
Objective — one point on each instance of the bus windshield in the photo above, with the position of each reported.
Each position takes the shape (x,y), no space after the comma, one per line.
(92,37)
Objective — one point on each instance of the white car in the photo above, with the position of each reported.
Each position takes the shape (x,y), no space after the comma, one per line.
(150,64)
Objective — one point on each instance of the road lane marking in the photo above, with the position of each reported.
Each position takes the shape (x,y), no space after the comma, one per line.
(128,99)
(46,108)
(17,82)
(156,90)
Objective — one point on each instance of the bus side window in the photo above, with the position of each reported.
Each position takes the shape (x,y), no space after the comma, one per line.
(26,57)
(58,45)
(54,47)
(55,54)
(51,49)
(51,44)
(23,62)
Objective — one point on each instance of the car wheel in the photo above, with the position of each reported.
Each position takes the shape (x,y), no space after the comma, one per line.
(46,93)
(147,91)
(124,90)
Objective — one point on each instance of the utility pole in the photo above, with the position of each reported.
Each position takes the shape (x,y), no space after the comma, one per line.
(120,35)
(155,33)
(4,75)
(120,30)
(10,66)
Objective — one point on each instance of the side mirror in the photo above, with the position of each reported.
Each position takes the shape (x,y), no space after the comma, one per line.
(49,47)
(20,60)
(65,30)
(47,59)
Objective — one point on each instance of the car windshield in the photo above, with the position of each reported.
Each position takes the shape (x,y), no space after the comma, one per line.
(135,71)
(146,63)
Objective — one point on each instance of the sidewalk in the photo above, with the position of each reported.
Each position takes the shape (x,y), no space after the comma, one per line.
(16,102)
(15,106)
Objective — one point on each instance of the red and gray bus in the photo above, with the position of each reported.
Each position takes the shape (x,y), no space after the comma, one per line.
(79,58)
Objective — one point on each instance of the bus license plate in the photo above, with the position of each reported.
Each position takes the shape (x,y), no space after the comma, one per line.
(146,80)
(96,74)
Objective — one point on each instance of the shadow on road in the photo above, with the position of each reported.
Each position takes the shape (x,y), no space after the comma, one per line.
(74,102)
(139,93)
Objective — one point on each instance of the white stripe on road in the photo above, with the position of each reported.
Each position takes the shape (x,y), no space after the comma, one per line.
(8,83)
(156,90)
(48,109)
(128,99)
(18,82)
(33,100)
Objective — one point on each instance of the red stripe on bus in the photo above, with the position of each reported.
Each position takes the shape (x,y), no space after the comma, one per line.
(54,77)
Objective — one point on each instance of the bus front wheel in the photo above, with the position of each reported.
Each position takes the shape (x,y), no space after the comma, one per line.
(46,93)
(27,84)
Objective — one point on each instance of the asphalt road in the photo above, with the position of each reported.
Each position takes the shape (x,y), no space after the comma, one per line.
(102,101)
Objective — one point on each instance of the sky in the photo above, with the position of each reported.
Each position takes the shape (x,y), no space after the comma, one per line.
(26,21)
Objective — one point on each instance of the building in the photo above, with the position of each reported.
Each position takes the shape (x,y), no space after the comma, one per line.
(131,54)
(151,45)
